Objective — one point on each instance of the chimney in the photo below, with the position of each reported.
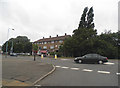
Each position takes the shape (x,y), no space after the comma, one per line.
(43,37)
(50,36)
(65,34)
(57,35)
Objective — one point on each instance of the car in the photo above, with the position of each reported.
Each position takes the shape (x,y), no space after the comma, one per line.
(91,58)
(13,54)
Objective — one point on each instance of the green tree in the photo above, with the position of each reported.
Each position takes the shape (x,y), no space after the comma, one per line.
(27,47)
(90,15)
(35,49)
(83,37)
(83,22)
(20,44)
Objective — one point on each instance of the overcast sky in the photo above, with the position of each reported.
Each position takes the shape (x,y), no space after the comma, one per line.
(42,18)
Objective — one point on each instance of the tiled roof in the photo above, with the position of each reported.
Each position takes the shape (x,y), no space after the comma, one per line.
(52,38)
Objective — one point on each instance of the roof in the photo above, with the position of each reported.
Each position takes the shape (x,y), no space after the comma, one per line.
(52,38)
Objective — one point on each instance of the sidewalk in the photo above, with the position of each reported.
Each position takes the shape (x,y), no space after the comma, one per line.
(17,72)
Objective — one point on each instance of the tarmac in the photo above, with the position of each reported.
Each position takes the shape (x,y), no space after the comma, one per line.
(20,72)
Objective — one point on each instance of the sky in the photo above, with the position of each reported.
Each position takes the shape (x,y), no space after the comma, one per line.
(43,18)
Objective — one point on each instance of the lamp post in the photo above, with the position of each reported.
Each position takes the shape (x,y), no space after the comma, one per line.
(7,42)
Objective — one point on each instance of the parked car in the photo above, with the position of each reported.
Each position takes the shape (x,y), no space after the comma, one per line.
(13,54)
(91,58)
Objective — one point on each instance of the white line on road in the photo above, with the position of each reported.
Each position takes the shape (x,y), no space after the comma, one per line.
(74,68)
(37,85)
(109,63)
(118,73)
(65,67)
(87,70)
(105,72)
(64,59)
(57,66)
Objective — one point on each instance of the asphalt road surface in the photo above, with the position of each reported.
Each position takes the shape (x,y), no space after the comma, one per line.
(68,73)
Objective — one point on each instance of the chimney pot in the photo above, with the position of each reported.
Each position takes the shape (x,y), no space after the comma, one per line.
(65,34)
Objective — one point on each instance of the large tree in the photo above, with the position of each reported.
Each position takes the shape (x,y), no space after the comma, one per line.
(85,39)
(82,39)
(21,44)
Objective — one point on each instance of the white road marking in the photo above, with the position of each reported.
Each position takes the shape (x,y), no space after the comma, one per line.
(109,63)
(37,85)
(87,70)
(105,72)
(65,67)
(74,68)
(118,73)
(57,66)
(64,59)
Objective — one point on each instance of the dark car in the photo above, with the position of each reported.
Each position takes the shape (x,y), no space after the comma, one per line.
(91,58)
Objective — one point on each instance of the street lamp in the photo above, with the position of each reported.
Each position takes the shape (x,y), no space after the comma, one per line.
(7,42)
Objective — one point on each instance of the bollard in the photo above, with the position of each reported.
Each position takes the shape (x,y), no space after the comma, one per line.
(42,56)
(55,56)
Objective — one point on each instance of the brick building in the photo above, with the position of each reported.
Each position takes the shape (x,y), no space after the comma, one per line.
(50,44)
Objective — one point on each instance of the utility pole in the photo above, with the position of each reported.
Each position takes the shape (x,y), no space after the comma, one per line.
(7,43)
(11,51)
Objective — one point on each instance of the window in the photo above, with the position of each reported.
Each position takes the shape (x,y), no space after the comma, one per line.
(56,45)
(44,47)
(52,41)
(45,42)
(60,41)
(51,47)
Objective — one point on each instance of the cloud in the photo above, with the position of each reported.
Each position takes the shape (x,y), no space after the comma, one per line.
(38,18)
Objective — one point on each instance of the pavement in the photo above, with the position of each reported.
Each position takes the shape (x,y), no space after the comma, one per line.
(23,71)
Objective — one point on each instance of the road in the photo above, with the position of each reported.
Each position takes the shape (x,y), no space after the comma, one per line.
(69,73)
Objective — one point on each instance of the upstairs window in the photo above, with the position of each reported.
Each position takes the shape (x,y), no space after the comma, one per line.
(60,41)
(52,41)
(45,42)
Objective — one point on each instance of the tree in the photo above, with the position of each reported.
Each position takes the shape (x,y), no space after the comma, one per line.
(83,37)
(83,22)
(27,47)
(20,44)
(35,49)
(90,15)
